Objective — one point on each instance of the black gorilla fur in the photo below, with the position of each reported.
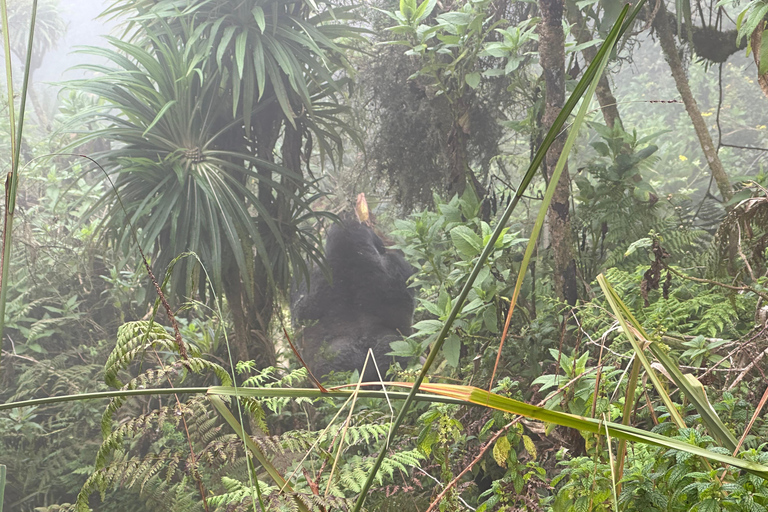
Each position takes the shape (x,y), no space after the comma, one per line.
(368,305)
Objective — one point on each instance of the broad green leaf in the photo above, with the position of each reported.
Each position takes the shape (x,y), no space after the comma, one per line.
(259,66)
(240,44)
(424,10)
(473,79)
(490,320)
(258,16)
(428,326)
(739,196)
(455,18)
(452,350)
(224,43)
(530,447)
(466,241)
(158,116)
(501,451)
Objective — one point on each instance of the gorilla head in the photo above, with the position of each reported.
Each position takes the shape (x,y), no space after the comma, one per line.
(368,304)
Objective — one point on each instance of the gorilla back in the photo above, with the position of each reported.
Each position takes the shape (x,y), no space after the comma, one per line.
(368,305)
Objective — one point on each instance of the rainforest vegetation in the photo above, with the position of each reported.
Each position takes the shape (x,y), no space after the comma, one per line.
(563,210)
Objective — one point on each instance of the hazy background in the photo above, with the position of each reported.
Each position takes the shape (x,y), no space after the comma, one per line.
(82,29)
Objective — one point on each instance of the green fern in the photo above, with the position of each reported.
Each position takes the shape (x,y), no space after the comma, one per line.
(691,309)
(166,475)
(353,474)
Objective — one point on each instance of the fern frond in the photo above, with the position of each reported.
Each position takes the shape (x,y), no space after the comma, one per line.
(134,338)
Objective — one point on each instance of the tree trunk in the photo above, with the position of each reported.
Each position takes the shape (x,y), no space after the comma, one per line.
(460,173)
(755,41)
(251,298)
(457,156)
(669,48)
(251,318)
(605,97)
(552,55)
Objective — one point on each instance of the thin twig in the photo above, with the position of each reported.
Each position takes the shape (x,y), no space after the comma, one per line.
(746,430)
(438,482)
(747,369)
(742,147)
(483,450)
(743,288)
(171,317)
(727,357)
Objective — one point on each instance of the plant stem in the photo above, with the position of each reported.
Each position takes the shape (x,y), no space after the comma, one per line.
(2,485)
(12,181)
(552,59)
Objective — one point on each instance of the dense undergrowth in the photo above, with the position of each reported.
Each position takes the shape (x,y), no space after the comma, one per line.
(82,315)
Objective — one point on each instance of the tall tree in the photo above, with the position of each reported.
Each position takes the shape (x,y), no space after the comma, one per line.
(606,99)
(552,59)
(218,106)
(663,25)
(438,104)
(759,55)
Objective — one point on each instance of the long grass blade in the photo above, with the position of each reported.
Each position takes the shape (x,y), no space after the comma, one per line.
(625,318)
(484,398)
(616,32)
(12,181)
(229,391)
(601,62)
(2,485)
(693,392)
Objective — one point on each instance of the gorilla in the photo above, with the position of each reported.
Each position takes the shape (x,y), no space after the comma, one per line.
(368,304)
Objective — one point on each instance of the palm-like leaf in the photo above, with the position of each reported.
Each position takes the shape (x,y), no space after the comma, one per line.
(282,49)
(182,185)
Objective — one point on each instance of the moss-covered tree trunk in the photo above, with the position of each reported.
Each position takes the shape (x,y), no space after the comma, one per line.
(552,56)
(251,317)
(460,173)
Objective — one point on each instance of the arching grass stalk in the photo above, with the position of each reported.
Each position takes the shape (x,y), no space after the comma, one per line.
(229,391)
(591,74)
(692,389)
(601,427)
(12,181)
